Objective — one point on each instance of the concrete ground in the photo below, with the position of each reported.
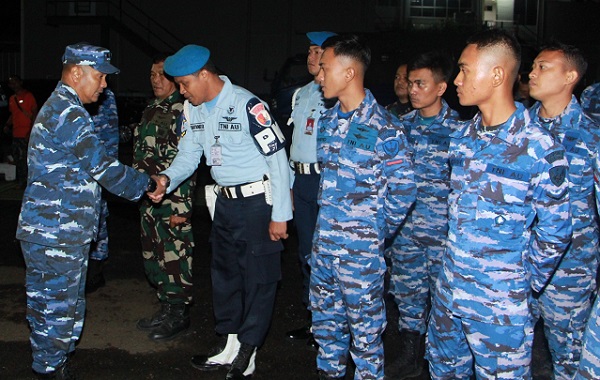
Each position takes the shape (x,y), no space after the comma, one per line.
(112,348)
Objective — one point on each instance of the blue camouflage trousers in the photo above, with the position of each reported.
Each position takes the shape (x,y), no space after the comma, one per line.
(55,281)
(589,365)
(348,313)
(100,246)
(414,271)
(565,306)
(455,345)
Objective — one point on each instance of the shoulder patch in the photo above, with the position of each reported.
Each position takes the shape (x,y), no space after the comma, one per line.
(558,175)
(264,130)
(558,155)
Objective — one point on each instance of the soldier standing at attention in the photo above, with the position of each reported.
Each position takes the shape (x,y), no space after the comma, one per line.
(245,149)
(565,303)
(402,105)
(167,237)
(305,175)
(509,222)
(59,215)
(416,251)
(367,188)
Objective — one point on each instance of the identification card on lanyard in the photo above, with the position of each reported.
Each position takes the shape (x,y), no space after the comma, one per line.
(310,126)
(216,153)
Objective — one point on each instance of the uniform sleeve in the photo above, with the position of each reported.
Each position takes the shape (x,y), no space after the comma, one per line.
(401,188)
(279,175)
(188,156)
(551,233)
(182,197)
(77,135)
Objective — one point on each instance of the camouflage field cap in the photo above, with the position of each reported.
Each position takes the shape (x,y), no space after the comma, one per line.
(89,55)
(317,38)
(186,61)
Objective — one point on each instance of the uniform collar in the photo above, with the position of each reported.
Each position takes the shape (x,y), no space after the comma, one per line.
(508,131)
(570,118)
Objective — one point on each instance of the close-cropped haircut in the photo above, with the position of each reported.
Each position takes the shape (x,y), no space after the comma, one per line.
(439,63)
(349,45)
(498,38)
(573,56)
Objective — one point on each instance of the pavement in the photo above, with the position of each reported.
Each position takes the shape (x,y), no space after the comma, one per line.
(112,348)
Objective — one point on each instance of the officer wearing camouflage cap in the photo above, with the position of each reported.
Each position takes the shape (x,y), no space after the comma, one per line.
(59,214)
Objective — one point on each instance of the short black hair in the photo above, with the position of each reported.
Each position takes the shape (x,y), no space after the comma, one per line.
(439,63)
(349,45)
(490,38)
(572,54)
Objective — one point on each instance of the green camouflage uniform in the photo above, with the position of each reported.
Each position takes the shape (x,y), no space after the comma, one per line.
(167,251)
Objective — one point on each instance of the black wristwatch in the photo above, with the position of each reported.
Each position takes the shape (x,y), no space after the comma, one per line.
(151,185)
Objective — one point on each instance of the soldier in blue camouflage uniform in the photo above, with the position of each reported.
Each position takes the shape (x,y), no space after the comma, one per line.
(367,188)
(509,223)
(166,230)
(305,175)
(61,204)
(416,251)
(245,149)
(565,303)
(590,101)
(106,125)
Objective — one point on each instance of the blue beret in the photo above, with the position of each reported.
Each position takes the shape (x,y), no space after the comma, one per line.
(186,61)
(317,38)
(89,55)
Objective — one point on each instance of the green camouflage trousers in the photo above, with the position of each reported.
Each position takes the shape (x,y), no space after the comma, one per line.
(167,254)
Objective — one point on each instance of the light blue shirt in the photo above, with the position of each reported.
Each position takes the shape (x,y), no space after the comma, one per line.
(242,161)
(307,107)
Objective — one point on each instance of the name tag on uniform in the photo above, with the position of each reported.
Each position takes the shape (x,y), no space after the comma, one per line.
(507,173)
(362,137)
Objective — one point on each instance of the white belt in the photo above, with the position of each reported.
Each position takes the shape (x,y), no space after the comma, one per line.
(242,191)
(306,167)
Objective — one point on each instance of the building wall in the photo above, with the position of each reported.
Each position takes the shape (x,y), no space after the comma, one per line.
(249,40)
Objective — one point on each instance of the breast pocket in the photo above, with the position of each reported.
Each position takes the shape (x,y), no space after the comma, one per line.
(501,206)
(356,172)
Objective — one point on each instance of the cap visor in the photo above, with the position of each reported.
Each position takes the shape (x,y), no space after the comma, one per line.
(107,68)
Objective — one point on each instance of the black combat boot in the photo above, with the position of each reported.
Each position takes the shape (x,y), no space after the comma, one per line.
(411,360)
(150,323)
(242,363)
(95,278)
(64,372)
(175,322)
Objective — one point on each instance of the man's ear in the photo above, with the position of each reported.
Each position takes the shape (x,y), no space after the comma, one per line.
(76,73)
(499,76)
(442,88)
(350,73)
(572,77)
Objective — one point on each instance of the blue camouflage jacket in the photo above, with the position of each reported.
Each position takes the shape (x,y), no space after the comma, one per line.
(432,171)
(367,180)
(66,162)
(578,134)
(509,219)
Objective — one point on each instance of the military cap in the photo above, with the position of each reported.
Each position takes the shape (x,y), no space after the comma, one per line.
(317,38)
(186,61)
(89,55)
